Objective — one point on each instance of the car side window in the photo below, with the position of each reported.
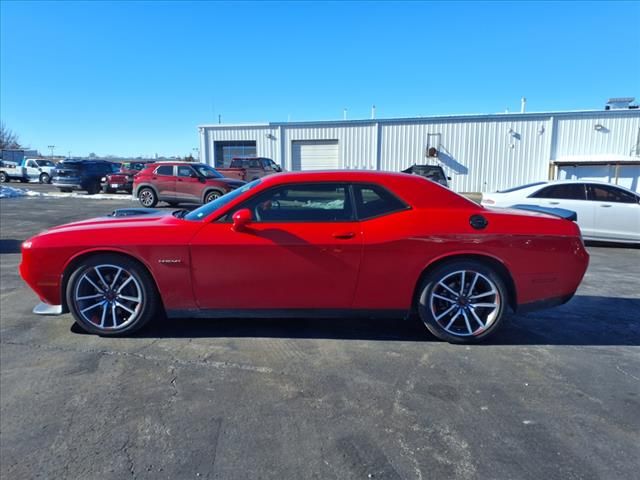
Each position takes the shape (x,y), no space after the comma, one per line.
(374,201)
(566,191)
(254,164)
(606,193)
(164,170)
(32,164)
(185,171)
(266,164)
(325,202)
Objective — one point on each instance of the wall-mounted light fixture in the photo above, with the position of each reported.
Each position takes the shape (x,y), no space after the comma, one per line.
(599,127)
(541,130)
(270,136)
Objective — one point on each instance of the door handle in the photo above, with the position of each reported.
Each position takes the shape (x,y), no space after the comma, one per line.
(605,206)
(554,203)
(179,179)
(344,235)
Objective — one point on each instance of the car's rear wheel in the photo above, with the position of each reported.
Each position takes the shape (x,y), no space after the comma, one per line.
(45,178)
(111,295)
(462,301)
(147,197)
(212,195)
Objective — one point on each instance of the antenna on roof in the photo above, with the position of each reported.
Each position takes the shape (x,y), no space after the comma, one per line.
(344,114)
(373,112)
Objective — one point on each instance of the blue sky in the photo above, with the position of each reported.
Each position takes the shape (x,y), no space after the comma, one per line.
(137,78)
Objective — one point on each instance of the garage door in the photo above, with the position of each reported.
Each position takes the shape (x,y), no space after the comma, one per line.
(628,175)
(315,155)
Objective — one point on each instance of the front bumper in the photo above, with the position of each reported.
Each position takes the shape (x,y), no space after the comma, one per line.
(46,309)
(72,186)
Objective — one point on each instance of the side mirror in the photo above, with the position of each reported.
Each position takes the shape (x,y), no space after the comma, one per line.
(241,219)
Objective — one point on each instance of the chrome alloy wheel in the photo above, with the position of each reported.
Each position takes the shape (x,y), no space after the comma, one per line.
(108,296)
(465,303)
(146,197)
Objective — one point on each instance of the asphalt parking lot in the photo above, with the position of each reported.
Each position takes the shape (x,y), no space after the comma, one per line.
(556,394)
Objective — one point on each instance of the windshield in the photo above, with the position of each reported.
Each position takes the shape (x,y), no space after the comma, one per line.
(45,163)
(208,208)
(207,171)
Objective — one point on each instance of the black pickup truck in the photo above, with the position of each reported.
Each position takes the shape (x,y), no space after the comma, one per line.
(434,173)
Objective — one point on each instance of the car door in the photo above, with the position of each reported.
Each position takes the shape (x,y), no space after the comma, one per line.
(32,169)
(302,251)
(188,184)
(617,213)
(165,182)
(570,196)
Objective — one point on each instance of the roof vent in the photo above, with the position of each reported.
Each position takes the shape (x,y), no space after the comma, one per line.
(621,103)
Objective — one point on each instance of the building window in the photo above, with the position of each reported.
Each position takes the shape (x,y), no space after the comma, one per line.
(225,151)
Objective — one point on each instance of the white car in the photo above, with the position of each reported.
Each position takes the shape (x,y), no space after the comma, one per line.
(605,212)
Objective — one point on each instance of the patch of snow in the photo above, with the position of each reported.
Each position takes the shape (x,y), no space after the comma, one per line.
(97,196)
(12,192)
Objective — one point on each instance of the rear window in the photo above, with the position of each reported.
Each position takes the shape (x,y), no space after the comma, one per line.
(164,170)
(374,201)
(566,191)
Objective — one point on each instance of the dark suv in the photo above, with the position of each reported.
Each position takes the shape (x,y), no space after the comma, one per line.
(81,175)
(181,182)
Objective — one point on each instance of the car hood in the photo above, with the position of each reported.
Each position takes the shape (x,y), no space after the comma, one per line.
(230,181)
(130,217)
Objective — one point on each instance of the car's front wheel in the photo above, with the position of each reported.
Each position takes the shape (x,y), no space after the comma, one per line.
(4,178)
(147,197)
(462,301)
(45,178)
(111,295)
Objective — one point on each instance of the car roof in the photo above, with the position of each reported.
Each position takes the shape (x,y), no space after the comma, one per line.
(542,184)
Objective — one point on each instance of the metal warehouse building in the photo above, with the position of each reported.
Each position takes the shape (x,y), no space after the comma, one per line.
(478,152)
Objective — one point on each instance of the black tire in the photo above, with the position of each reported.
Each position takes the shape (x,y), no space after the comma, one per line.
(211,195)
(107,189)
(108,312)
(23,180)
(436,312)
(147,197)
(4,178)
(93,188)
(45,178)
(66,190)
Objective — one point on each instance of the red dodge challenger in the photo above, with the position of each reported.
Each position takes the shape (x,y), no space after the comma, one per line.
(308,244)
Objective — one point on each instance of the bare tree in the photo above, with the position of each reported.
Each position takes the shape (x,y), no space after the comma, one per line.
(8,139)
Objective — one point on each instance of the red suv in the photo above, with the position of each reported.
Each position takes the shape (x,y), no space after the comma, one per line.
(180,182)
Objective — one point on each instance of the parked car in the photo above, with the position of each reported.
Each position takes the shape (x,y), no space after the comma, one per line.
(434,173)
(81,175)
(181,182)
(310,244)
(605,212)
(123,178)
(250,168)
(26,170)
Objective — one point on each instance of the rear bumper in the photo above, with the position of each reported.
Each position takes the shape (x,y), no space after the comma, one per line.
(543,304)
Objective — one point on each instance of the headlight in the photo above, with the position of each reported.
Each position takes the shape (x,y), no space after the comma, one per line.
(103,179)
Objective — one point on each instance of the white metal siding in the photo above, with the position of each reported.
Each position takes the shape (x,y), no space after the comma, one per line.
(577,137)
(315,155)
(480,153)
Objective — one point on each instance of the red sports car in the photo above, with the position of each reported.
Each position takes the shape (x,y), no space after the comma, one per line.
(310,244)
